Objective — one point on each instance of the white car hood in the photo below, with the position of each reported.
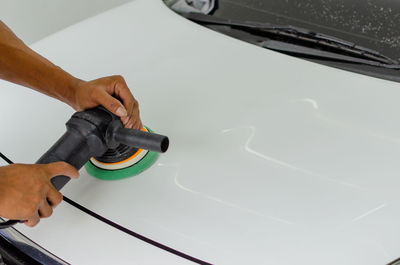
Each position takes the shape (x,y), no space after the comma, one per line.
(273,159)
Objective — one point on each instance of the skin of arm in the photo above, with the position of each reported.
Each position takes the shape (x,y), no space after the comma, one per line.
(26,192)
(21,65)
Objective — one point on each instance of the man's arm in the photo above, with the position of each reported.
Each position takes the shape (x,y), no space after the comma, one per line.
(26,192)
(21,65)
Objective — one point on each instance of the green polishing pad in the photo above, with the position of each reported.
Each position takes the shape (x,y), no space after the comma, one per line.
(138,167)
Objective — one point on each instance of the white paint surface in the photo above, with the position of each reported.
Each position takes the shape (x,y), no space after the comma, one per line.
(34,20)
(273,160)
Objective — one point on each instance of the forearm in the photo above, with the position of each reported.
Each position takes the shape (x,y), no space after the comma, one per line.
(21,65)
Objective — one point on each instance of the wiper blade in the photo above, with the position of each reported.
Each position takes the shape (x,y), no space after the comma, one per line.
(361,54)
(301,50)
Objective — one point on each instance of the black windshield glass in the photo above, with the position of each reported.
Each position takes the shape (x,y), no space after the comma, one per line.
(374,24)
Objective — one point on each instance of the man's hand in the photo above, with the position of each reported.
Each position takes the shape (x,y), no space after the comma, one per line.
(42,75)
(99,92)
(26,192)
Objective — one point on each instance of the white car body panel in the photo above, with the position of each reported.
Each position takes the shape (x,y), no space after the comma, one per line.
(77,238)
(273,159)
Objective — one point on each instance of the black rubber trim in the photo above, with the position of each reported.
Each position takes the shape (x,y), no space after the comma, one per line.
(13,256)
(395,262)
(125,230)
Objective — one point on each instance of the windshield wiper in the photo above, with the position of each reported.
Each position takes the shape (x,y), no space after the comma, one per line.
(348,51)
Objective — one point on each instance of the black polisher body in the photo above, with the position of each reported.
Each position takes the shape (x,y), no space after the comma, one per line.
(92,133)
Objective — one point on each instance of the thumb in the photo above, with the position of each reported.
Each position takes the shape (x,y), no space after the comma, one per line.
(61,168)
(112,104)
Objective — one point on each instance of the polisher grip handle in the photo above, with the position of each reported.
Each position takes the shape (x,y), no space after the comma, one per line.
(71,148)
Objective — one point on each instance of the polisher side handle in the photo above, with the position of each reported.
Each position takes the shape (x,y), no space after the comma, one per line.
(140,139)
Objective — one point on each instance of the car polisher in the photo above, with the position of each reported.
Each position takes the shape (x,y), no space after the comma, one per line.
(97,139)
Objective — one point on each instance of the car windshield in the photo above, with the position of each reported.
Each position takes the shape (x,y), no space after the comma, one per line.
(373,24)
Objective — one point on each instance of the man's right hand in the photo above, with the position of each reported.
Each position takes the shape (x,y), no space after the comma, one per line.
(26,192)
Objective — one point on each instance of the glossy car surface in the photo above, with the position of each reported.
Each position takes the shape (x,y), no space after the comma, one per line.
(273,159)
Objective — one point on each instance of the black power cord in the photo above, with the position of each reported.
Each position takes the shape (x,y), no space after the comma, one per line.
(6,159)
(10,223)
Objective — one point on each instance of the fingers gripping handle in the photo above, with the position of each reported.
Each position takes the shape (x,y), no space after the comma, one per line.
(71,148)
